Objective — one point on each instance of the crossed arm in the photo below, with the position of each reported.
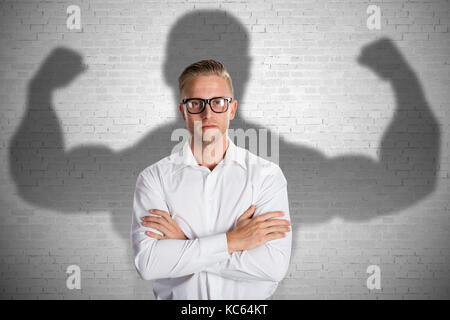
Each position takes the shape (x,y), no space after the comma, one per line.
(258,248)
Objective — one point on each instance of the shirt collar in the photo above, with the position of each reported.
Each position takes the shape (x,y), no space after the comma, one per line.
(184,157)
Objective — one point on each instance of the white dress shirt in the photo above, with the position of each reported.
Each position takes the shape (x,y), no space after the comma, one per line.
(206,204)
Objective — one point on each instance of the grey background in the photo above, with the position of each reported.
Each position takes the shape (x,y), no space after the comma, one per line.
(361,117)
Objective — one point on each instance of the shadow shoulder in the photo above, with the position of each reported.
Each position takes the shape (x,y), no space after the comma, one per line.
(263,166)
(160,167)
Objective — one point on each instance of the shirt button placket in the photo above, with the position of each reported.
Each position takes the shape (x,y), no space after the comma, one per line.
(209,189)
(206,202)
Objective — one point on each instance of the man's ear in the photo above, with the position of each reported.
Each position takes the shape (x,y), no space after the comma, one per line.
(183,111)
(233,109)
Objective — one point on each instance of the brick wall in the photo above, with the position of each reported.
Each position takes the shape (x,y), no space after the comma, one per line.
(360,114)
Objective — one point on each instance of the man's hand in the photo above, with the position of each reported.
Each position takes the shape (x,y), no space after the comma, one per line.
(253,232)
(164,224)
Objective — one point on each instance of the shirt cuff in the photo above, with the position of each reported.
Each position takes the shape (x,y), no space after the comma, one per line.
(215,247)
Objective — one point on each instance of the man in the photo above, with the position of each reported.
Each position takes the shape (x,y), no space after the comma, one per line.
(212,220)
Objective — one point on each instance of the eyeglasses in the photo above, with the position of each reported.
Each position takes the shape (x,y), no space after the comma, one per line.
(197,105)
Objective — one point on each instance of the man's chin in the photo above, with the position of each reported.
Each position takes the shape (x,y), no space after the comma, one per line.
(210,135)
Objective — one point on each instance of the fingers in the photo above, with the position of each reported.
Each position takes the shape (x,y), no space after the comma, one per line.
(166,231)
(154,235)
(248,213)
(274,236)
(157,223)
(277,229)
(275,222)
(268,215)
(158,220)
(163,214)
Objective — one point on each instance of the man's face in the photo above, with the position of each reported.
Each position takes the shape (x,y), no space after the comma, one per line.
(207,87)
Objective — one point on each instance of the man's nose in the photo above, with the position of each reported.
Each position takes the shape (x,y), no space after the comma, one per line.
(207,113)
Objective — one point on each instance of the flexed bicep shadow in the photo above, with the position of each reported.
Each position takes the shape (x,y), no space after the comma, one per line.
(353,187)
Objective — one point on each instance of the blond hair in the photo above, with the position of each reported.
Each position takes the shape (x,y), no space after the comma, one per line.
(204,68)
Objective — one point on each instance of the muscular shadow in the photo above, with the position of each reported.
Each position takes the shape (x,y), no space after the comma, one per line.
(353,187)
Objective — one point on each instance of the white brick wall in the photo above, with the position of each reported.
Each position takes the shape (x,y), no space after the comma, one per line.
(70,154)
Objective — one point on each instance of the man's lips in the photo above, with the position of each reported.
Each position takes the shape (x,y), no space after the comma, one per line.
(206,126)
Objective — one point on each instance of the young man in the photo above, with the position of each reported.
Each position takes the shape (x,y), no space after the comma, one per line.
(211,221)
